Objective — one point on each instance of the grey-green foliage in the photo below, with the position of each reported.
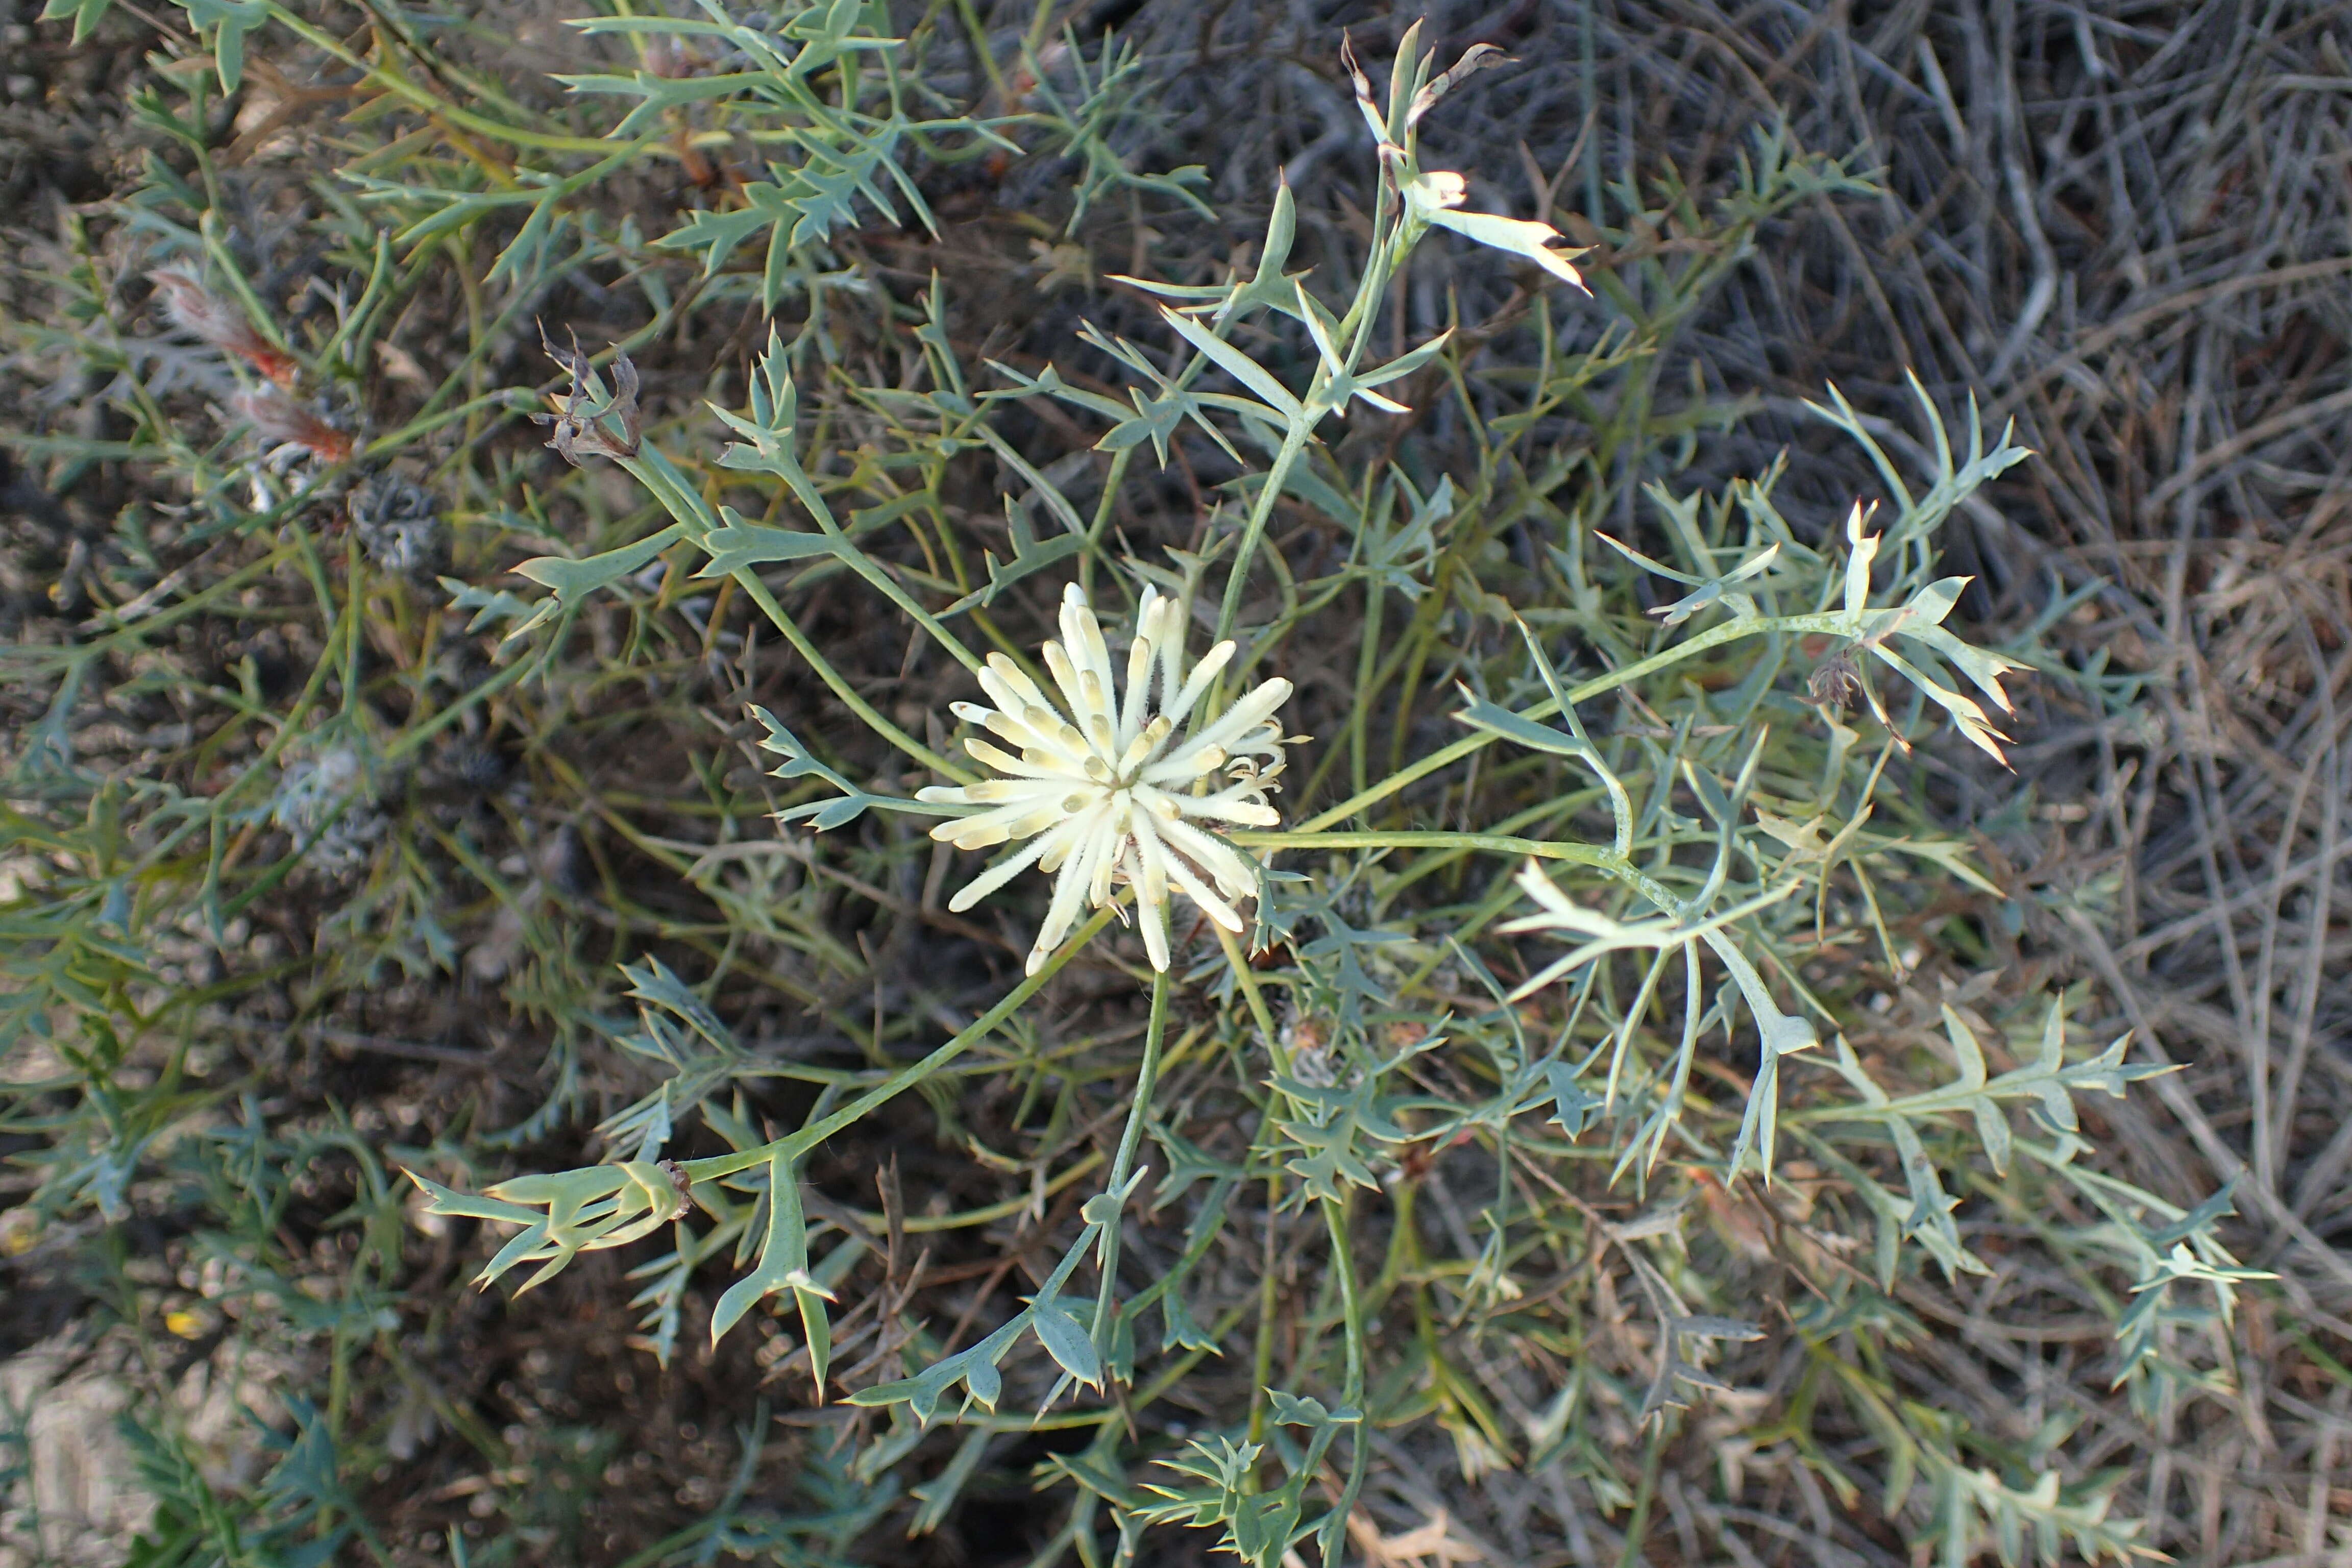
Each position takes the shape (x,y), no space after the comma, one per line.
(2049,1082)
(1213,1486)
(1598,933)
(816,84)
(300,1516)
(1784,794)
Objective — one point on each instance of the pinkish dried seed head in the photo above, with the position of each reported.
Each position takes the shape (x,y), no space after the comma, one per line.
(283,422)
(222,323)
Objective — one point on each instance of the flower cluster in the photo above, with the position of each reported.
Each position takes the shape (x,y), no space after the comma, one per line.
(1108,793)
(289,424)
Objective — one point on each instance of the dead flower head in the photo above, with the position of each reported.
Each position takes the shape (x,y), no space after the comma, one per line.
(1835,680)
(291,426)
(222,323)
(579,430)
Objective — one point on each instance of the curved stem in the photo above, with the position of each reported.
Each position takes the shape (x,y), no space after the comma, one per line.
(1835,623)
(1494,843)
(1147,1077)
(798,1143)
(1352,1309)
(434,106)
(1293,443)
(857,561)
(871,716)
(660,475)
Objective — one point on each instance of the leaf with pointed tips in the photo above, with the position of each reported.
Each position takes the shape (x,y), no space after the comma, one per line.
(784,1254)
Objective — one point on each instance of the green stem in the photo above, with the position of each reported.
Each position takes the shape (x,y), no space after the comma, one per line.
(657,474)
(424,426)
(890,588)
(813,501)
(1112,482)
(1268,1299)
(1145,1078)
(1494,843)
(650,468)
(1343,1262)
(1367,660)
(978,33)
(1260,1013)
(798,1143)
(1293,443)
(1834,623)
(1351,1308)
(434,106)
(1637,1529)
(750,582)
(512,673)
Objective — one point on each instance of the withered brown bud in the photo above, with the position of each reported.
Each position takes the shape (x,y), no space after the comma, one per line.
(222,323)
(1835,680)
(578,430)
(279,419)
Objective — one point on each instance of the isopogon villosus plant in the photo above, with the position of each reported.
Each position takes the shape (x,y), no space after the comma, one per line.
(1666,855)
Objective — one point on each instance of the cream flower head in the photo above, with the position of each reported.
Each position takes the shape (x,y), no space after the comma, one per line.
(1106,797)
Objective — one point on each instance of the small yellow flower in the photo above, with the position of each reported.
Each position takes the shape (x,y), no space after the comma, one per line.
(1106,798)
